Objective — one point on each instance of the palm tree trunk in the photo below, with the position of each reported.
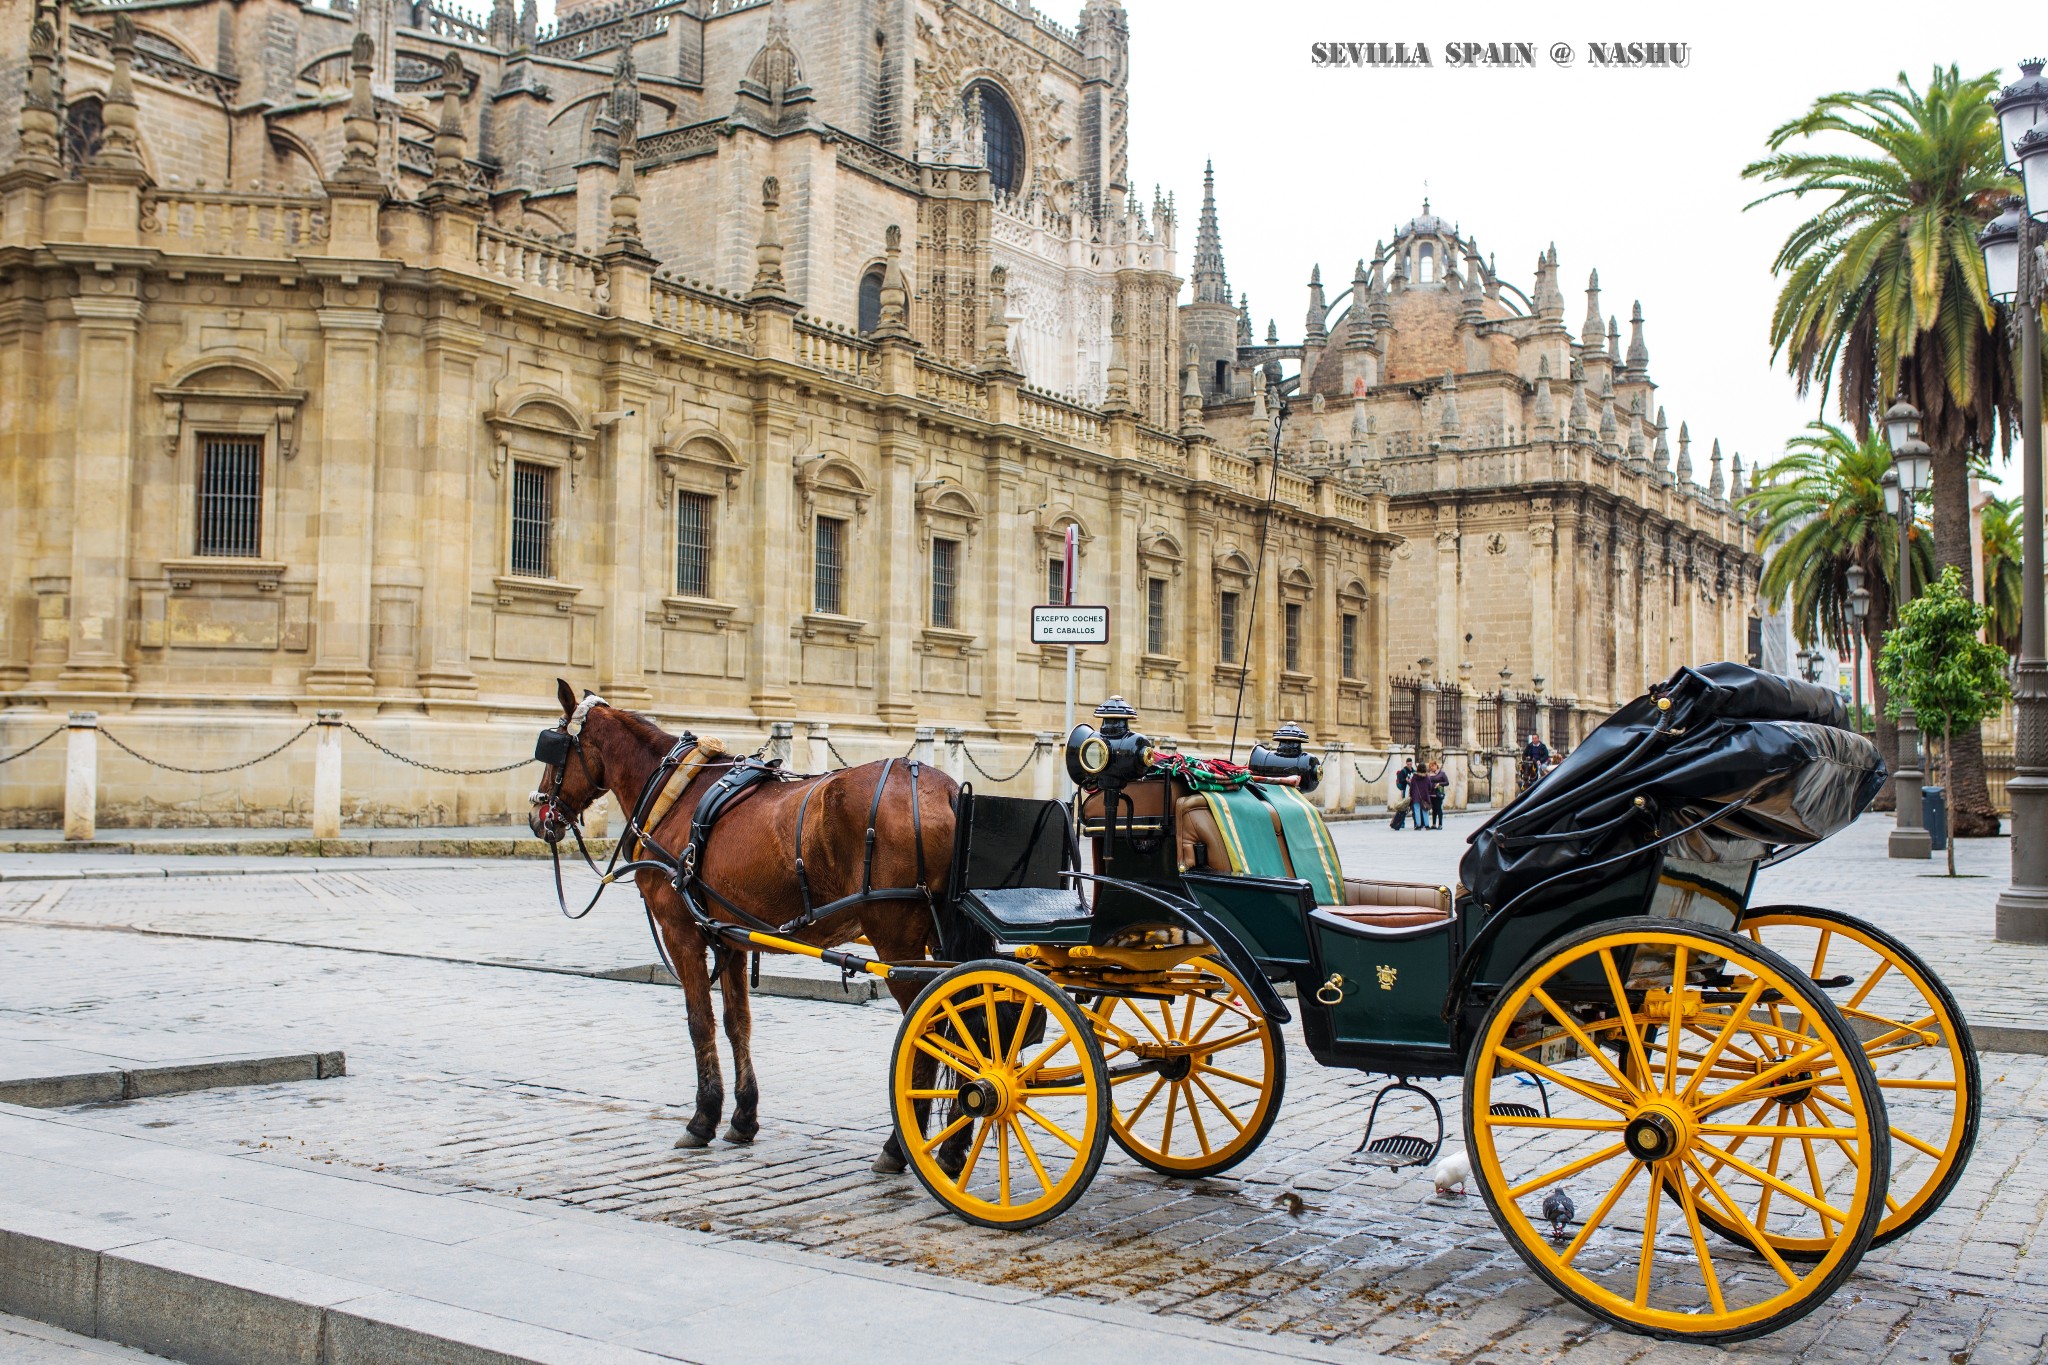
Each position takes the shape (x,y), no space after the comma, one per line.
(1969,794)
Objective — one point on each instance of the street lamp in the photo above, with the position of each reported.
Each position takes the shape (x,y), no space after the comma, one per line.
(2014,271)
(1859,612)
(1911,463)
(1809,664)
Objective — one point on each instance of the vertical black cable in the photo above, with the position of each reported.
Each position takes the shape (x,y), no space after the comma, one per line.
(1258,570)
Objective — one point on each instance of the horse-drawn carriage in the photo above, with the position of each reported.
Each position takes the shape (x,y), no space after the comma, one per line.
(1689,1115)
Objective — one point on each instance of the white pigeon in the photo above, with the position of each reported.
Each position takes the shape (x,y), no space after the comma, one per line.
(1451,1172)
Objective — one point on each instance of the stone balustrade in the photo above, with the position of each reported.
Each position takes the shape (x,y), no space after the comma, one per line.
(701,314)
(1059,417)
(204,223)
(533,262)
(951,388)
(820,346)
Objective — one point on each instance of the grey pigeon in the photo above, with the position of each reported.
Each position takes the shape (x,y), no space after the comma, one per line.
(1558,1211)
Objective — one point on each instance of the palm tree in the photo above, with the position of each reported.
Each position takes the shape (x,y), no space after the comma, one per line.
(1884,293)
(2002,572)
(1822,506)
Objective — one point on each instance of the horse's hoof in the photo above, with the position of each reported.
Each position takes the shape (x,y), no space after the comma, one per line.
(890,1163)
(691,1142)
(736,1137)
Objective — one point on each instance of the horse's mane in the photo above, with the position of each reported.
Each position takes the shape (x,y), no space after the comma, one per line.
(643,729)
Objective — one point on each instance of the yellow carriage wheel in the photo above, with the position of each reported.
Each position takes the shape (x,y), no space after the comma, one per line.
(1917,1042)
(1196,1071)
(999,1095)
(1664,1046)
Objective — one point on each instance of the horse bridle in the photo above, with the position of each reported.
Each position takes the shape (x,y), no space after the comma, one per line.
(554,746)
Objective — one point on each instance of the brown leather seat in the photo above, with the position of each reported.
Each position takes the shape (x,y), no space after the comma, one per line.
(1392,905)
(1194,825)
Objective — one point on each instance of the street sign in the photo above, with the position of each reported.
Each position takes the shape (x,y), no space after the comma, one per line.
(1070,625)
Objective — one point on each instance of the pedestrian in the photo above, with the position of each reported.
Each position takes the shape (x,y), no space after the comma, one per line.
(1420,788)
(1402,806)
(1439,783)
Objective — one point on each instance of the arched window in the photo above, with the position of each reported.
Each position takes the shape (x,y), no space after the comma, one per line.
(868,313)
(1002,138)
(84,129)
(1425,269)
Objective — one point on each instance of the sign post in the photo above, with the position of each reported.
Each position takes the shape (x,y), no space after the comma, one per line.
(1069,576)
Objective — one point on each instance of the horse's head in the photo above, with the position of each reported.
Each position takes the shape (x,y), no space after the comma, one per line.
(574,773)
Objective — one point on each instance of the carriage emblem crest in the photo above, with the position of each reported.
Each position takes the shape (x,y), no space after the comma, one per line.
(1387,976)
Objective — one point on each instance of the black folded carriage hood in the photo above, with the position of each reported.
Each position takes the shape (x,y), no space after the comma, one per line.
(1739,764)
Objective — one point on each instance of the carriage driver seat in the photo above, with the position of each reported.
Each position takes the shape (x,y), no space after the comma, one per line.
(1370,904)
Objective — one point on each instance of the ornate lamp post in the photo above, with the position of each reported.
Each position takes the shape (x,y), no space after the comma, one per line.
(1859,612)
(2014,271)
(1911,463)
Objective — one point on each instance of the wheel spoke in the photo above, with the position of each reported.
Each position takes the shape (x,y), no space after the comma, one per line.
(1017,1036)
(1568,1169)
(1757,1239)
(1572,1083)
(1643,1264)
(1772,1075)
(1002,1127)
(1627,1014)
(1677,1026)
(1030,1154)
(1052,1049)
(1195,1117)
(1229,1075)
(1166,1132)
(1195,1075)
(1714,1049)
(947,1053)
(966,1035)
(1699,1245)
(1820,953)
(1043,1122)
(1903,1084)
(1157,1083)
(1578,1034)
(1918,1145)
(1545,1121)
(1221,1009)
(955,1126)
(1599,1214)
(930,1094)
(1863,991)
(973,1155)
(988,1013)
(1768,1130)
(1763,1177)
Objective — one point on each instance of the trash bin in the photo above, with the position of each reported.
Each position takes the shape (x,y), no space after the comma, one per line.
(1934,815)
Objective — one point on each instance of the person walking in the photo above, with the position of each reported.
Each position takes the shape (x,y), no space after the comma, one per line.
(1420,789)
(1439,783)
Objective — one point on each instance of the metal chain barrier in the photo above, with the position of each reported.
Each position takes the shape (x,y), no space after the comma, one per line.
(1376,776)
(975,763)
(208,772)
(23,753)
(430,767)
(833,749)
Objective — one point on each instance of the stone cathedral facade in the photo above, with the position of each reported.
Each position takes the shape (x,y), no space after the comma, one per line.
(746,362)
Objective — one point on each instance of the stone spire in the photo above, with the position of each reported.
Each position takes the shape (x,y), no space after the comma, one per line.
(1592,333)
(359,125)
(1451,432)
(1400,280)
(1211,284)
(894,321)
(1191,428)
(625,98)
(1614,342)
(529,22)
(995,324)
(1548,298)
(1636,422)
(1717,487)
(38,125)
(1582,415)
(625,206)
(1381,314)
(1244,320)
(1546,407)
(1736,490)
(768,281)
(1638,353)
(504,26)
(1662,451)
(119,143)
(1317,330)
(774,95)
(1610,431)
(1685,457)
(450,147)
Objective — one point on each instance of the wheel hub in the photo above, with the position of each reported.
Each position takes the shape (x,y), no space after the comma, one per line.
(983,1097)
(1801,1087)
(1654,1135)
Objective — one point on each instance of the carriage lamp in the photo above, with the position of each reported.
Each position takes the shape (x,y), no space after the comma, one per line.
(1890,484)
(2000,242)
(2033,159)
(1286,761)
(1114,753)
(2020,106)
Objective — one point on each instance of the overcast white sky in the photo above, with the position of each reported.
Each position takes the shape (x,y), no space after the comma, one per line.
(1635,172)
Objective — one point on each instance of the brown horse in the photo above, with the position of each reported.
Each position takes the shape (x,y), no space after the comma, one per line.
(750,860)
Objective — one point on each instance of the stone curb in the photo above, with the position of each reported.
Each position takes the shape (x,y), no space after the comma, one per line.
(289,846)
(206,1307)
(173,1078)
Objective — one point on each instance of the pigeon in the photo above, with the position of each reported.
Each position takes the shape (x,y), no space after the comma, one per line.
(1450,1174)
(1558,1211)
(1293,1203)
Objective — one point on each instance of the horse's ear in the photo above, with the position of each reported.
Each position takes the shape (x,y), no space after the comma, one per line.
(567,696)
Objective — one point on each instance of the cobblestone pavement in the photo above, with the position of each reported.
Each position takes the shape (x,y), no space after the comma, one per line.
(573,1090)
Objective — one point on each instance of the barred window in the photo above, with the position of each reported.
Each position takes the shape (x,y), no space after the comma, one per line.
(693,544)
(533,520)
(1055,582)
(945,583)
(1348,644)
(1226,626)
(1291,638)
(828,567)
(231,496)
(1155,616)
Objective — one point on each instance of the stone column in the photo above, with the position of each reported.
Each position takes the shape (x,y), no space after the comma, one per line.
(351,333)
(781,741)
(923,743)
(625,513)
(327,777)
(1007,597)
(1425,707)
(892,545)
(109,313)
(1045,768)
(1327,633)
(818,737)
(449,426)
(81,775)
(1198,618)
(1542,593)
(780,548)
